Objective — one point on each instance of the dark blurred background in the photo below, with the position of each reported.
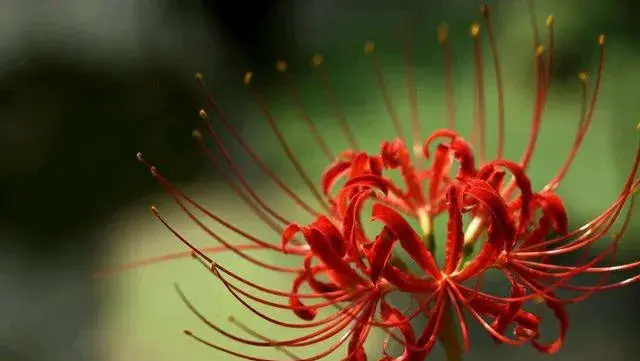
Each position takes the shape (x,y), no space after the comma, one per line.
(85,84)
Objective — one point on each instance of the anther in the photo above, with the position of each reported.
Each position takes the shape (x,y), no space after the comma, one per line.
(203,114)
(196,134)
(198,76)
(474,230)
(443,33)
(247,77)
(317,60)
(426,225)
(583,76)
(369,47)
(550,20)
(601,39)
(141,157)
(281,66)
(475,30)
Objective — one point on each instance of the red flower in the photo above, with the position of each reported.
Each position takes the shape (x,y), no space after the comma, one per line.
(348,272)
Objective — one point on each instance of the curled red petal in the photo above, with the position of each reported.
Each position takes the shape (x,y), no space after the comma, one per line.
(522,182)
(287,235)
(352,224)
(488,307)
(464,155)
(439,167)
(408,238)
(332,174)
(461,151)
(511,310)
(496,178)
(370,181)
(331,233)
(302,311)
(380,253)
(407,282)
(330,257)
(553,207)
(315,284)
(323,249)
(501,230)
(376,165)
(389,152)
(491,201)
(455,236)
(563,319)
(355,185)
(360,165)
(440,133)
(395,155)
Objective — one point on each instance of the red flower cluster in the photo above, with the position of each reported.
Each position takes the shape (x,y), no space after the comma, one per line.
(495,221)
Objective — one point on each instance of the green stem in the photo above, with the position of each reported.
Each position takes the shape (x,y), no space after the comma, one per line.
(449,337)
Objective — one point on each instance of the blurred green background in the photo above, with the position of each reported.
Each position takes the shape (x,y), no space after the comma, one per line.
(84,85)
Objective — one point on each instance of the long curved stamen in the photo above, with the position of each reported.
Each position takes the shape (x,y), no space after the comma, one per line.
(586,121)
(411,90)
(498,77)
(258,211)
(551,43)
(255,334)
(316,62)
(286,148)
(263,167)
(294,93)
(479,126)
(443,39)
(369,48)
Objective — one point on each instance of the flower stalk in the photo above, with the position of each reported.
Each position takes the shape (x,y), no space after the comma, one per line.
(449,337)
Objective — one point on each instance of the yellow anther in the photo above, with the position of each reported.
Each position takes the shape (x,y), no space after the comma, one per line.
(550,20)
(539,50)
(601,39)
(426,222)
(281,66)
(317,60)
(443,32)
(203,114)
(475,30)
(247,77)
(369,47)
(583,76)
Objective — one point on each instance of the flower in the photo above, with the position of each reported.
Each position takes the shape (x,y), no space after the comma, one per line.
(347,272)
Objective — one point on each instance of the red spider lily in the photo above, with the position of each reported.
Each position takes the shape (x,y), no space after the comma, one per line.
(346,273)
